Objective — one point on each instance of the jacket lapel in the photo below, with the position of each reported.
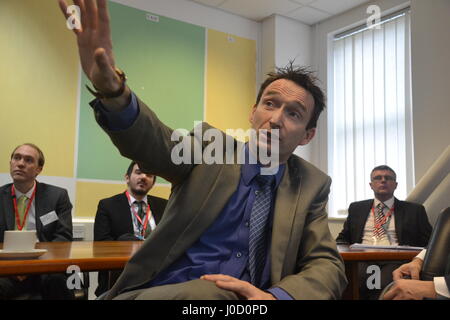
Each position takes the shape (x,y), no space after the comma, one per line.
(39,199)
(399,214)
(284,213)
(7,207)
(364,213)
(124,213)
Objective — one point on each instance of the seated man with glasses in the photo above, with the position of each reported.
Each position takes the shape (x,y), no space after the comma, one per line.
(384,220)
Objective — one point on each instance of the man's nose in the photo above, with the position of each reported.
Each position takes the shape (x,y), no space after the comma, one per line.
(276,118)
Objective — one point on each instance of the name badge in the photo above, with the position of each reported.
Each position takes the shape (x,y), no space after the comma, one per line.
(49,218)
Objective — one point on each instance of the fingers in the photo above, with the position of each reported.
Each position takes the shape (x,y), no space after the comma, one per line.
(415,273)
(103,19)
(90,14)
(63,6)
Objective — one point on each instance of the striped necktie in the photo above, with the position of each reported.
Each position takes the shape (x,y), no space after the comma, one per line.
(258,228)
(378,229)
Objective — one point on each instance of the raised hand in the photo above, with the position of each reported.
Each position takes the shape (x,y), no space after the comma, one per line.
(95,44)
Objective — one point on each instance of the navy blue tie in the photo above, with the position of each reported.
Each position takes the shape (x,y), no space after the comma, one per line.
(258,228)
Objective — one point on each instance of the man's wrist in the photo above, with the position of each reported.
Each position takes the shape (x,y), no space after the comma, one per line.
(118,104)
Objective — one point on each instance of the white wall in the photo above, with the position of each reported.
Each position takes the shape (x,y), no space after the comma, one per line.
(430,53)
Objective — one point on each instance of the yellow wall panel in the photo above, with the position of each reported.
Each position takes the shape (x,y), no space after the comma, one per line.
(39,82)
(90,193)
(230,80)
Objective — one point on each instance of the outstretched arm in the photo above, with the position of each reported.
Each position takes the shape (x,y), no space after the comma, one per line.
(95,50)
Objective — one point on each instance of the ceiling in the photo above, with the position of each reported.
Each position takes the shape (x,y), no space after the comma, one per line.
(306,11)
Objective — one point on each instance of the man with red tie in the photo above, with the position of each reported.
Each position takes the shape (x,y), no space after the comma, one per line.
(384,220)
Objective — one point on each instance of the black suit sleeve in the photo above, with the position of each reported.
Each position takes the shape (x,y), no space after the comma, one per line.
(64,212)
(102,224)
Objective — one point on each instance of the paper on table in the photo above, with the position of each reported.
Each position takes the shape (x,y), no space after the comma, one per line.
(371,246)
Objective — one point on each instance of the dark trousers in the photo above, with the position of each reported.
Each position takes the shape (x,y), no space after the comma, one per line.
(45,287)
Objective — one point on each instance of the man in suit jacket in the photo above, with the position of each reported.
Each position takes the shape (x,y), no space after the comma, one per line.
(201,247)
(402,223)
(414,288)
(118,217)
(49,213)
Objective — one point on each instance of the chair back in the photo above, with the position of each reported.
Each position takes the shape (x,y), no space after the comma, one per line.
(438,250)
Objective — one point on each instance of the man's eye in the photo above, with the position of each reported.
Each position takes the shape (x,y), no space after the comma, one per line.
(269,103)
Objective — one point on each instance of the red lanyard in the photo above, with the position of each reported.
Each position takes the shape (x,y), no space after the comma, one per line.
(383,221)
(16,212)
(144,223)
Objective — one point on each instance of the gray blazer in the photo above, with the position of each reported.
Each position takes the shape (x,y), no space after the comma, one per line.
(48,198)
(304,258)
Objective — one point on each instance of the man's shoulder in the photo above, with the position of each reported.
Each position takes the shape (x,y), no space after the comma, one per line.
(5,187)
(155,199)
(362,202)
(116,197)
(45,187)
(408,204)
(306,168)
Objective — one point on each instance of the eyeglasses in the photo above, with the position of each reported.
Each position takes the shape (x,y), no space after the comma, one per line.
(387,178)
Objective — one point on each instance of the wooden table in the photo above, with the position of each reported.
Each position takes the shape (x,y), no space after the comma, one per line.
(87,255)
(113,255)
(353,257)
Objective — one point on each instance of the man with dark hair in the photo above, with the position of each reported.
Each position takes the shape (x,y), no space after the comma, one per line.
(229,231)
(384,220)
(32,205)
(130,215)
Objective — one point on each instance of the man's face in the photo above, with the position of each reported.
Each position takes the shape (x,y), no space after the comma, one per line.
(285,106)
(138,182)
(383,183)
(24,166)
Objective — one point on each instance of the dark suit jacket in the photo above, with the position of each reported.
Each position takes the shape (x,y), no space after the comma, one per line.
(113,222)
(304,258)
(48,198)
(411,223)
(113,219)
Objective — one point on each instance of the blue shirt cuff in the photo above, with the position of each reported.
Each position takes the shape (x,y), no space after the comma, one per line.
(280,294)
(115,121)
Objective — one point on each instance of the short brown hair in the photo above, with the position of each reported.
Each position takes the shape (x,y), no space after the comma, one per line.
(41,159)
(304,78)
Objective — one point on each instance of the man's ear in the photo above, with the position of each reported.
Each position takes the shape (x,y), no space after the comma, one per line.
(250,118)
(310,133)
(38,171)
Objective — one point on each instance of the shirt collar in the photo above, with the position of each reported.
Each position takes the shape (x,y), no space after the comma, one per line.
(388,203)
(249,170)
(28,194)
(133,199)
